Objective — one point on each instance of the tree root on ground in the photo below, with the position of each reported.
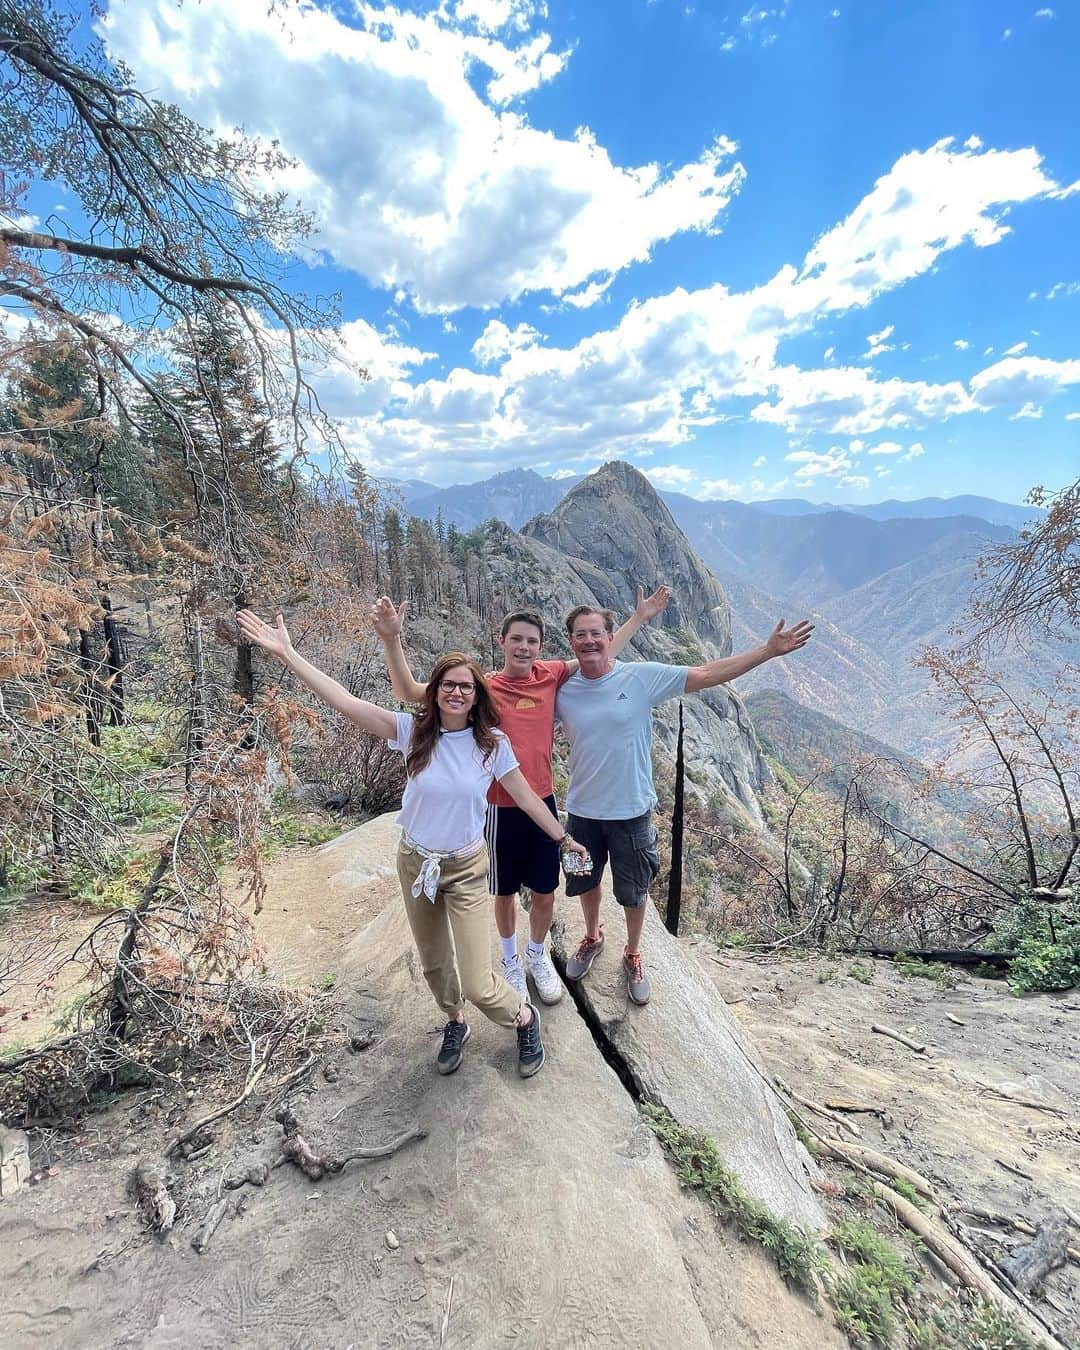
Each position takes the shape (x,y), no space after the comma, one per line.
(315,1165)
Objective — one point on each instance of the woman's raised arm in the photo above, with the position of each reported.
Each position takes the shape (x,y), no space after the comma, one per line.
(275,640)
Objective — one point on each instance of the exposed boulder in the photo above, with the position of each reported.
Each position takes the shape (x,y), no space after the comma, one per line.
(685,1051)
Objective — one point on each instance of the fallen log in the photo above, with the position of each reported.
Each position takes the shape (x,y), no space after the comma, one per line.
(1029,1265)
(873,1161)
(881,1030)
(950,956)
(817,1108)
(947,1249)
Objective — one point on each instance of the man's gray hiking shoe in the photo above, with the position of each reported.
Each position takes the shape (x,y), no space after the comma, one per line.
(530,1046)
(637,982)
(579,965)
(454,1036)
(548,985)
(514,974)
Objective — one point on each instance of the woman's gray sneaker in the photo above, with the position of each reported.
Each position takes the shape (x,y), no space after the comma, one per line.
(548,985)
(514,975)
(530,1046)
(579,965)
(454,1036)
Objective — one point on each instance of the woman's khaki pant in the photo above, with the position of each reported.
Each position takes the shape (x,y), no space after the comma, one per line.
(458,922)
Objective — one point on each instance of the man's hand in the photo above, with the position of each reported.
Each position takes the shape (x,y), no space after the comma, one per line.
(274,640)
(783,640)
(649,606)
(385,619)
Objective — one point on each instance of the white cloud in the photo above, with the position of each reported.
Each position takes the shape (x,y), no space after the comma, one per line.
(830,352)
(587,297)
(882,470)
(1015,349)
(914,451)
(878,343)
(1072,417)
(497,341)
(831,463)
(886,448)
(722,489)
(675,362)
(1029,410)
(848,402)
(761,459)
(1006,34)
(854,480)
(417,180)
(564,473)
(961,344)
(1044,13)
(670,475)
(1020,380)
(1063,288)
(492,15)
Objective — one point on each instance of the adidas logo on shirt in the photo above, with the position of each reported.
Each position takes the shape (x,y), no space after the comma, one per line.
(621,698)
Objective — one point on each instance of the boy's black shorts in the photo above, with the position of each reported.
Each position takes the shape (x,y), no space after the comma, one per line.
(519,852)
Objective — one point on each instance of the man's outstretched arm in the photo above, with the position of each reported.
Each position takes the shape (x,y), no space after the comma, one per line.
(387,621)
(781,642)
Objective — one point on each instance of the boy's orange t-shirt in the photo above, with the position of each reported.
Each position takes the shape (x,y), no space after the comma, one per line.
(527,715)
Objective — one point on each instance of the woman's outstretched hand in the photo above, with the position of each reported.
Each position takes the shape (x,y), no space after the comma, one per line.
(273,639)
(387,619)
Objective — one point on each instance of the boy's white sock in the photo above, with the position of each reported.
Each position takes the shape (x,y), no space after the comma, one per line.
(509,948)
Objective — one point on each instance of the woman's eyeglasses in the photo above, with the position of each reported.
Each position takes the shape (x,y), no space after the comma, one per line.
(448,687)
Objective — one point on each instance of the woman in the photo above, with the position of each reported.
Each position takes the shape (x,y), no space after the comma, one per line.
(453,752)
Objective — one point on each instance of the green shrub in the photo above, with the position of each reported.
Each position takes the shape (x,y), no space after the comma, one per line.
(914,968)
(861,972)
(288,831)
(698,1165)
(969,1323)
(864,1306)
(864,1244)
(904,1187)
(1044,941)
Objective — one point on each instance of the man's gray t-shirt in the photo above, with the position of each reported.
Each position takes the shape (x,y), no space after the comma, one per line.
(608,723)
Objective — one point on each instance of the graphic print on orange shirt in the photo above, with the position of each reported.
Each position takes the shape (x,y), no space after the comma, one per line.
(527,715)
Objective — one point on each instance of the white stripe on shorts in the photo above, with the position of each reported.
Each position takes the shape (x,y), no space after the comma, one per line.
(491,831)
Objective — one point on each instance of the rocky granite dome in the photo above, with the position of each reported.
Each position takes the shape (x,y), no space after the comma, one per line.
(608,535)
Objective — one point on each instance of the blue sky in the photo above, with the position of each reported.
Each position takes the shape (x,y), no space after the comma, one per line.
(800,249)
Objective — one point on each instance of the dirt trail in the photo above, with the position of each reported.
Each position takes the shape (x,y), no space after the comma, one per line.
(535,1213)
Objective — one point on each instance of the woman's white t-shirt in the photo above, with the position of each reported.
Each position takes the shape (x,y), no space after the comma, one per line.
(443,807)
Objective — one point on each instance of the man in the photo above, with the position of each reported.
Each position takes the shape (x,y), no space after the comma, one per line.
(520,854)
(606,713)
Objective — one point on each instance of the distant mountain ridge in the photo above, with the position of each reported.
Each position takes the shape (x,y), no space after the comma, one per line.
(513,497)
(516,495)
(810,743)
(923,508)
